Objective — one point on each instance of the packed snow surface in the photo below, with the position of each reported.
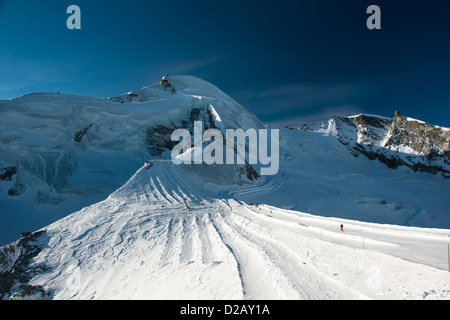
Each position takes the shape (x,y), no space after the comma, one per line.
(162,237)
(194,231)
(57,175)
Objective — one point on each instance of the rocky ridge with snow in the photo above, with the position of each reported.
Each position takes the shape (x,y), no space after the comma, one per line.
(59,153)
(114,218)
(395,142)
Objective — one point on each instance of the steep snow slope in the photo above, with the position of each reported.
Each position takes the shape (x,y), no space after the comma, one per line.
(161,236)
(185,231)
(200,93)
(60,153)
(318,174)
(64,152)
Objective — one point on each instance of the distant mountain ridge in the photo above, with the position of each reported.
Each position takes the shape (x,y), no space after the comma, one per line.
(113,217)
(60,153)
(395,142)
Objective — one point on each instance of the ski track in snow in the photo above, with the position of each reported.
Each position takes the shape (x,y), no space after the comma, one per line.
(163,243)
(165,235)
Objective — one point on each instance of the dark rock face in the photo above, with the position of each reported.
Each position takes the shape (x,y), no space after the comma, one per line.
(7,173)
(395,142)
(31,292)
(159,136)
(17,190)
(249,172)
(167,85)
(370,128)
(159,140)
(17,268)
(80,134)
(414,144)
(417,163)
(421,137)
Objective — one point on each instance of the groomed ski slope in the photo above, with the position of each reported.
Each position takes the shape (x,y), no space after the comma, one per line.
(60,175)
(164,236)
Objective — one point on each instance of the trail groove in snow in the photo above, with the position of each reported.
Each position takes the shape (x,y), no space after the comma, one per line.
(143,243)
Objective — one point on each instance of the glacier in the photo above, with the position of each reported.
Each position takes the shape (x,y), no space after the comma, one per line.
(166,235)
(92,207)
(70,151)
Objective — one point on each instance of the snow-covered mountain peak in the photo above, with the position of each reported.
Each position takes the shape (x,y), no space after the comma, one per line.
(110,227)
(68,151)
(417,137)
(407,135)
(185,93)
(397,141)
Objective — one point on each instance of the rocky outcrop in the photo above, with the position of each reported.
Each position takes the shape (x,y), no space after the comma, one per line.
(17,267)
(17,190)
(159,140)
(421,137)
(415,163)
(395,142)
(80,134)
(7,173)
(159,136)
(370,129)
(167,85)
(249,172)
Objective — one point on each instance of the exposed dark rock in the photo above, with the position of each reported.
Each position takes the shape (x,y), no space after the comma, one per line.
(17,269)
(148,165)
(159,137)
(159,140)
(249,172)
(80,134)
(194,115)
(365,121)
(167,85)
(369,129)
(32,292)
(394,162)
(395,142)
(7,173)
(17,190)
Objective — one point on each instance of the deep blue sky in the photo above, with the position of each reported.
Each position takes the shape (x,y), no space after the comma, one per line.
(283,60)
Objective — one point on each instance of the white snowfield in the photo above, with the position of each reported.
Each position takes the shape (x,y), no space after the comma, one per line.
(161,236)
(189,231)
(61,176)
